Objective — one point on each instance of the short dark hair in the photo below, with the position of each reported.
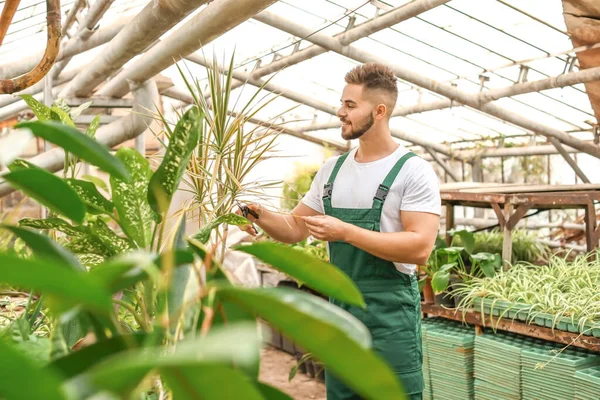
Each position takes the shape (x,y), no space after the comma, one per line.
(375,76)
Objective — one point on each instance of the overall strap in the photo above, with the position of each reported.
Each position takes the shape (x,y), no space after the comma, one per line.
(328,187)
(383,189)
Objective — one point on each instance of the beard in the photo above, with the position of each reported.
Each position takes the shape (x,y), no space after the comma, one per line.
(360,129)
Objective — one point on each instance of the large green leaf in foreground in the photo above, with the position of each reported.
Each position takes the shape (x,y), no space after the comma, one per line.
(78,144)
(49,190)
(314,273)
(235,343)
(21,379)
(130,197)
(69,287)
(332,335)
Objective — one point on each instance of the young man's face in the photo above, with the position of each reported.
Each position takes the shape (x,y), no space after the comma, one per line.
(356,112)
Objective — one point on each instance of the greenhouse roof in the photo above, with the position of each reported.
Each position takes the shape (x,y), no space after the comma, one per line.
(475,46)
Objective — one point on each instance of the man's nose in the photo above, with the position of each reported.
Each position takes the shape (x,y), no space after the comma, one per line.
(340,112)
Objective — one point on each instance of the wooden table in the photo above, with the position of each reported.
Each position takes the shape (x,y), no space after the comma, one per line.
(480,321)
(512,202)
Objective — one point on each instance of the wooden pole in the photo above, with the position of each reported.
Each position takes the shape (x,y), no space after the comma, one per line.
(507,241)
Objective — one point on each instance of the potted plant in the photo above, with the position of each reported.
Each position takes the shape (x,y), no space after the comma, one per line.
(448,266)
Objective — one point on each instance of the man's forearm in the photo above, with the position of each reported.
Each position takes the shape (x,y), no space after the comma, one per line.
(404,247)
(280,227)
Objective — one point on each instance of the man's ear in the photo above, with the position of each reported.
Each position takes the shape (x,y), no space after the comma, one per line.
(380,111)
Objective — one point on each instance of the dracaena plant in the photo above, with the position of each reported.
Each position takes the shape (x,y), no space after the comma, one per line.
(231,144)
(158,312)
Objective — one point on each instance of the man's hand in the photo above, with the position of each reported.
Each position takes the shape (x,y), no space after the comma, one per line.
(324,227)
(257,208)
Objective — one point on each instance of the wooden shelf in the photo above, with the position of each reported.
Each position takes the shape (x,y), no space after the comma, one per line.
(505,324)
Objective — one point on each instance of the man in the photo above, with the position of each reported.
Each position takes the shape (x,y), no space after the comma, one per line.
(378,208)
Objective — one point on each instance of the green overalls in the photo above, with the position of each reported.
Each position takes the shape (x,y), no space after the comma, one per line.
(393,313)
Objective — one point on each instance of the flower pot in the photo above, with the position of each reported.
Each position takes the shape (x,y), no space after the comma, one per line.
(287,345)
(275,338)
(428,296)
(444,299)
(320,370)
(519,311)
(540,319)
(454,282)
(301,367)
(310,368)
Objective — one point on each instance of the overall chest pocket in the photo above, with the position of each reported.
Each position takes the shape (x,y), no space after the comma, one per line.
(357,263)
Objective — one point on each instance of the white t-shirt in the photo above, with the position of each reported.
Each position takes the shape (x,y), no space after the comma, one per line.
(416,188)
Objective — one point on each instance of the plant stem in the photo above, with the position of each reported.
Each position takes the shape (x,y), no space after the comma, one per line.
(142,303)
(154,236)
(131,310)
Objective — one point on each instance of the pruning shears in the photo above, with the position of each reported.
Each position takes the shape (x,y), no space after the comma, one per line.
(246,210)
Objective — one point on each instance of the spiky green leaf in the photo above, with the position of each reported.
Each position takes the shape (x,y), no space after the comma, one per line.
(131,198)
(49,190)
(95,202)
(41,111)
(182,143)
(78,144)
(232,219)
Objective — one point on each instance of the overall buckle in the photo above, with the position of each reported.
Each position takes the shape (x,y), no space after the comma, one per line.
(382,192)
(327,190)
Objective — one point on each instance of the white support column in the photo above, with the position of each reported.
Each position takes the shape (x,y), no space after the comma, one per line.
(129,127)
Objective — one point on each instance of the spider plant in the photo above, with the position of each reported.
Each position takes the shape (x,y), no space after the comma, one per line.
(567,291)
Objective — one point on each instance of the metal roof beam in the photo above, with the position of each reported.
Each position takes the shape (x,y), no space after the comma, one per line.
(68,50)
(84,31)
(572,78)
(318,105)
(216,19)
(365,29)
(451,92)
(147,27)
